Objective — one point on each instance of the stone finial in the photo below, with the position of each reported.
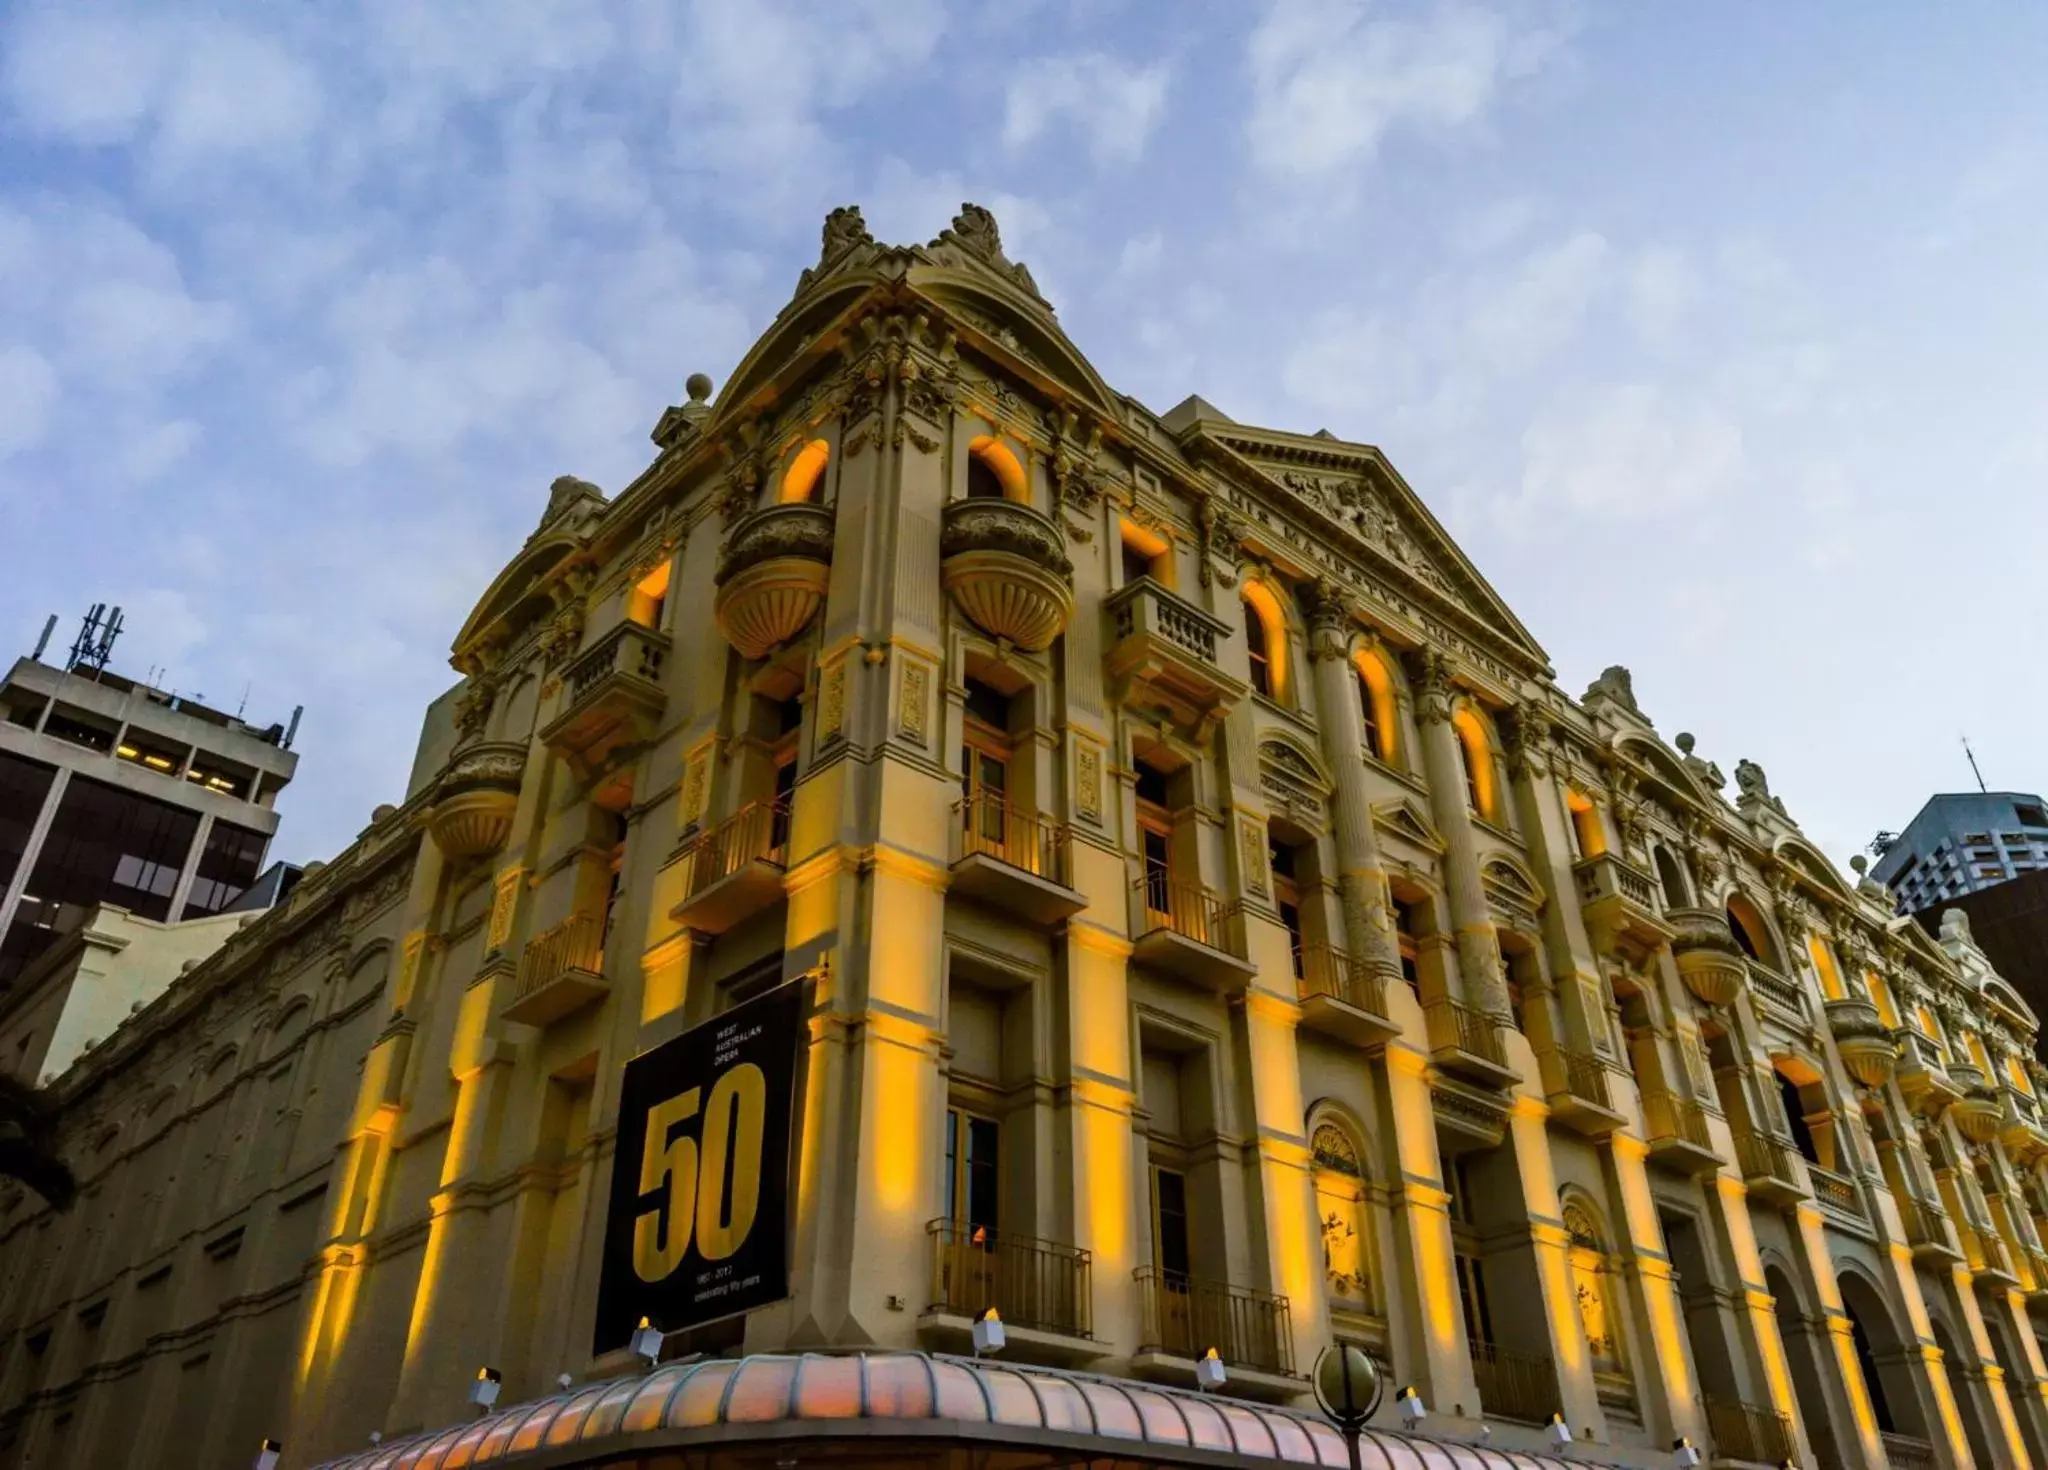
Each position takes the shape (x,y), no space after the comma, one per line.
(1955,925)
(565,494)
(974,231)
(844,229)
(1704,771)
(1615,685)
(1866,885)
(698,387)
(679,425)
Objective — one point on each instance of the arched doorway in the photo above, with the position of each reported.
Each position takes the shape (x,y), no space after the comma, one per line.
(1886,1359)
(1801,1337)
(1962,1385)
(2027,1413)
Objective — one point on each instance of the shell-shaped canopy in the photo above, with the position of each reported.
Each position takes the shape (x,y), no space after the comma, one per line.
(742,1404)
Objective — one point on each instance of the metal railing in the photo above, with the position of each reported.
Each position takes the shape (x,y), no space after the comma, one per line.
(1514,1385)
(757,832)
(575,944)
(1904,1452)
(1765,1157)
(1922,1220)
(1186,1316)
(1673,1118)
(1324,969)
(1453,1023)
(1834,1189)
(630,648)
(988,826)
(1748,1431)
(1583,1076)
(1191,911)
(1037,1284)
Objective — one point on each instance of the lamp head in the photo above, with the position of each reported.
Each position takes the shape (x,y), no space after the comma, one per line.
(1409,1402)
(988,1333)
(646,1342)
(484,1392)
(1684,1454)
(1557,1431)
(1209,1371)
(267,1453)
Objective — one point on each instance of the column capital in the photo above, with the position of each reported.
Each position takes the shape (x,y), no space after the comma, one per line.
(1430,674)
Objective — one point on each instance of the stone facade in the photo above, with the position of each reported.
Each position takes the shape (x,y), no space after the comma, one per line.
(1221,931)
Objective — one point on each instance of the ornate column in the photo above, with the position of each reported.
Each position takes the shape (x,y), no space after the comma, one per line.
(1528,733)
(1361,881)
(1443,765)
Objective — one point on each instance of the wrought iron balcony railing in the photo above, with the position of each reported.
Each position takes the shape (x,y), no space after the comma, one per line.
(1037,1284)
(990,826)
(1191,911)
(757,832)
(1185,1316)
(1325,970)
(1514,1385)
(1748,1431)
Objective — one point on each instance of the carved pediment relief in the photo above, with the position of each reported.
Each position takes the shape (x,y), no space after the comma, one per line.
(1294,781)
(1404,819)
(1512,893)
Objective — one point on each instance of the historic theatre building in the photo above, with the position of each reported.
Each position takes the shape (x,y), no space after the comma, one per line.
(949,838)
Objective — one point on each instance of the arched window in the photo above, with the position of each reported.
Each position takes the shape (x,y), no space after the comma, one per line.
(1587,834)
(1672,880)
(1341,1212)
(804,481)
(1376,702)
(1265,635)
(1478,758)
(1823,956)
(648,600)
(1751,935)
(982,483)
(998,460)
(1591,1290)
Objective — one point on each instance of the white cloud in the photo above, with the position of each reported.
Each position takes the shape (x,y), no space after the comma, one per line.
(1628,450)
(1113,108)
(28,397)
(1329,81)
(1516,321)
(1661,286)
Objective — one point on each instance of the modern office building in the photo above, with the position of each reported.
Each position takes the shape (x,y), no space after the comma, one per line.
(1961,842)
(946,839)
(112,792)
(2009,922)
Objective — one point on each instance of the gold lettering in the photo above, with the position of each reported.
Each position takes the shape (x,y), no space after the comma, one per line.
(670,1162)
(745,1091)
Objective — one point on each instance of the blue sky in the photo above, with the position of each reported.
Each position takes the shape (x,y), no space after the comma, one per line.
(1718,335)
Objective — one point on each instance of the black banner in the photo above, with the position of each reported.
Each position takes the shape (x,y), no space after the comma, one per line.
(698,1223)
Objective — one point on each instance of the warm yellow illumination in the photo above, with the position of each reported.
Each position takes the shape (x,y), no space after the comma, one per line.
(800,481)
(1881,997)
(644,603)
(1379,687)
(1002,462)
(1586,824)
(1261,603)
(1478,760)
(1823,956)
(2017,1070)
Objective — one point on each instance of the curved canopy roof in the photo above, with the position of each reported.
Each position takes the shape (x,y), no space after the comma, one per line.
(865,1401)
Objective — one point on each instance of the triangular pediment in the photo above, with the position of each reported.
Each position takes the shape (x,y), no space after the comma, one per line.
(1352,491)
(1404,818)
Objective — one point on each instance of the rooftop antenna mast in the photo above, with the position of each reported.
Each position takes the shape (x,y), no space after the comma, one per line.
(94,644)
(1973,763)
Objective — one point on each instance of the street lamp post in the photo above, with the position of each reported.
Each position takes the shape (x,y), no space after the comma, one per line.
(1348,1386)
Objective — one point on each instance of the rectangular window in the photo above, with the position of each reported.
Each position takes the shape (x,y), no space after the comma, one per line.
(973,1177)
(1404,933)
(1170,1224)
(227,866)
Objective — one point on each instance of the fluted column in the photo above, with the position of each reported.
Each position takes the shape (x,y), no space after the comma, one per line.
(1443,765)
(1361,880)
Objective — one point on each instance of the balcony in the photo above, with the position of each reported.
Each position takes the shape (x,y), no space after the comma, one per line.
(475,800)
(1187,930)
(612,698)
(1923,1075)
(1778,992)
(1341,996)
(1836,1191)
(1005,566)
(1514,1385)
(1977,1113)
(1867,1048)
(736,868)
(1678,1134)
(560,971)
(1772,1168)
(1182,1317)
(1927,1231)
(1042,1290)
(1468,1119)
(1709,960)
(1465,1041)
(2020,1133)
(1748,1431)
(1619,902)
(1014,860)
(1576,1085)
(772,577)
(1904,1452)
(1989,1257)
(1162,655)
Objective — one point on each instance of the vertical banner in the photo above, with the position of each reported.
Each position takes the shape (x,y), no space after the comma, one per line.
(698,1224)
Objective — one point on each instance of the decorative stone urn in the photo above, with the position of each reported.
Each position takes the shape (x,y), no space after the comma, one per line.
(475,800)
(1708,959)
(1867,1048)
(1977,1114)
(1005,566)
(772,576)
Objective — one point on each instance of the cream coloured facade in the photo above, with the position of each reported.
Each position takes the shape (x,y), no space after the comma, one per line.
(1220,931)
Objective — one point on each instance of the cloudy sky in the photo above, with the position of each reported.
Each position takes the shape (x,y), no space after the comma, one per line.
(1718,334)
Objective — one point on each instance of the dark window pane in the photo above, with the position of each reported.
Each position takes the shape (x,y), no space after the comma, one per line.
(111,846)
(23,786)
(229,864)
(1173,1222)
(982,1178)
